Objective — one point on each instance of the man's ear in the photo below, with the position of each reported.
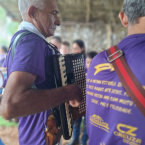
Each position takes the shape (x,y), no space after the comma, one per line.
(123,19)
(31,12)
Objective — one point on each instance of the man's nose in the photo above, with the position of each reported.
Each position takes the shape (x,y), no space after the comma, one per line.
(57,21)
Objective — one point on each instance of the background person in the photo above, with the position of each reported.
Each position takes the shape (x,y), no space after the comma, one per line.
(79,47)
(89,56)
(65,48)
(112,117)
(28,68)
(56,40)
(3,52)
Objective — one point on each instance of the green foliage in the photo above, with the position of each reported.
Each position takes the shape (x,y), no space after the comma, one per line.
(2,15)
(5,123)
(4,42)
(8,28)
(12,27)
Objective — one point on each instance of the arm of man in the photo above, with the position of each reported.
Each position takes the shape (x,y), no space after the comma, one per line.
(19,99)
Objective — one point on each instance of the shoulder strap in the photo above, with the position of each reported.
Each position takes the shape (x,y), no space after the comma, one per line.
(16,40)
(52,46)
(132,86)
(21,35)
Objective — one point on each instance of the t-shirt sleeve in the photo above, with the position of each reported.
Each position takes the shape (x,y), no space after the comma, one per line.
(30,56)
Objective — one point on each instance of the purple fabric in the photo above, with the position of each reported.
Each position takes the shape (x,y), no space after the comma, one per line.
(112,117)
(2,58)
(30,56)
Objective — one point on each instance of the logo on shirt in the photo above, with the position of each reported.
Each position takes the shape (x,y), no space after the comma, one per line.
(102,143)
(102,67)
(97,121)
(127,133)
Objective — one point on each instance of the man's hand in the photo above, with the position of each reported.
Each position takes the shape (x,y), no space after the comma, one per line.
(75,103)
(78,96)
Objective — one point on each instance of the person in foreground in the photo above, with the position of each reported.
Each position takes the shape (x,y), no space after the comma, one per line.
(27,68)
(112,117)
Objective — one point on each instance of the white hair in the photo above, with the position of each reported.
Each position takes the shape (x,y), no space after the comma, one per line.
(24,5)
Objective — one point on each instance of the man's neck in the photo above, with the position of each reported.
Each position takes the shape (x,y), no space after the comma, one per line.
(30,27)
(138,28)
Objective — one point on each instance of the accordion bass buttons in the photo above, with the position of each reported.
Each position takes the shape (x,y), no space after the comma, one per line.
(64,83)
(62,70)
(68,119)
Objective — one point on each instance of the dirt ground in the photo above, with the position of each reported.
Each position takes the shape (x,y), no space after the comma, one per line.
(9,136)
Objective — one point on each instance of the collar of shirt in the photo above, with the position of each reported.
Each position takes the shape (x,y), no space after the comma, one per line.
(30,27)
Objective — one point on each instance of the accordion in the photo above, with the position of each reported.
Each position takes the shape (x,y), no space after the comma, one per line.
(71,71)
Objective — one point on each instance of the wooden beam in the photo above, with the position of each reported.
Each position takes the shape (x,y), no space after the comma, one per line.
(109,36)
(88,10)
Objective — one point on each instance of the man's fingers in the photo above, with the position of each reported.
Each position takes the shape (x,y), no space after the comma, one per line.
(74,103)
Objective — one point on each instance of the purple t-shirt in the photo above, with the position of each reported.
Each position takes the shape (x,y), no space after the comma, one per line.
(112,117)
(32,56)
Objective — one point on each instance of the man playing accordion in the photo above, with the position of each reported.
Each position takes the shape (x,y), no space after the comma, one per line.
(27,67)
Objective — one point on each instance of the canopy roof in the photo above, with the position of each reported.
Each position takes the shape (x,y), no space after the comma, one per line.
(76,10)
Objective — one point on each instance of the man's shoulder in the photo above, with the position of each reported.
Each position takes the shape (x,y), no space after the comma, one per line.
(29,39)
(17,33)
(100,57)
(27,35)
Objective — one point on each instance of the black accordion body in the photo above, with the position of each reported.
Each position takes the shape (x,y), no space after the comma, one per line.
(70,69)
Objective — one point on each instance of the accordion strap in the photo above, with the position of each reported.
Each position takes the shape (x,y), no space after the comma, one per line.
(21,35)
(16,40)
(132,86)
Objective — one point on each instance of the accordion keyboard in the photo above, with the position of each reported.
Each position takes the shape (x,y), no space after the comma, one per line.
(80,79)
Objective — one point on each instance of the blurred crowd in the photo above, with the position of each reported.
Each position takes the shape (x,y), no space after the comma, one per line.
(3,53)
